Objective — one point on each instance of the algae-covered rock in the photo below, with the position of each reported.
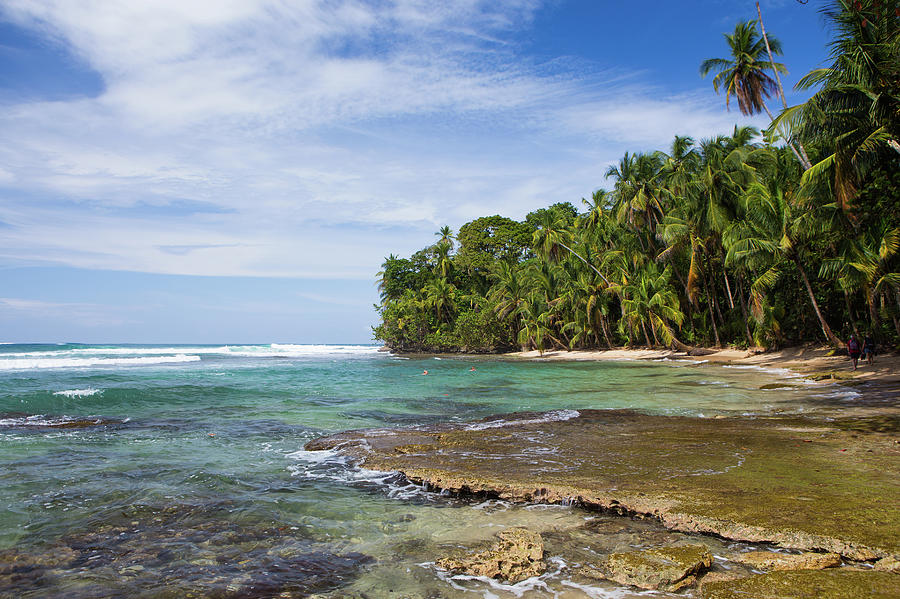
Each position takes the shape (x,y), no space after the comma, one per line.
(768,560)
(838,583)
(799,483)
(888,564)
(517,554)
(664,569)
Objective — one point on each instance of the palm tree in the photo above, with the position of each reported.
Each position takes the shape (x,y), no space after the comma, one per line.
(508,293)
(856,110)
(550,240)
(745,74)
(440,296)
(650,305)
(776,228)
(535,329)
(446,236)
(442,262)
(869,265)
(638,196)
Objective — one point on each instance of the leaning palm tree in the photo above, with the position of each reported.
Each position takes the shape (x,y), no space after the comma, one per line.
(776,229)
(745,74)
(868,264)
(856,111)
(551,238)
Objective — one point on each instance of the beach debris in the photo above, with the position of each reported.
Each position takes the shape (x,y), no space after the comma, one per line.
(834,583)
(663,568)
(517,554)
(769,560)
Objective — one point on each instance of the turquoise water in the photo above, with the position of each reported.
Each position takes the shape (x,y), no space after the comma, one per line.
(159,471)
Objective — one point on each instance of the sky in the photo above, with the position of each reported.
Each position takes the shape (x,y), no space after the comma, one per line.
(235,171)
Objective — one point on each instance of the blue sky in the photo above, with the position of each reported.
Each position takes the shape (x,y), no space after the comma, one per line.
(236,170)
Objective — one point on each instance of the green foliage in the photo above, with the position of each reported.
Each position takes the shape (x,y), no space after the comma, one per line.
(489,239)
(563,212)
(725,240)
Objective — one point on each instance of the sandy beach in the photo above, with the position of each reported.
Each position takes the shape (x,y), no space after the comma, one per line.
(878,383)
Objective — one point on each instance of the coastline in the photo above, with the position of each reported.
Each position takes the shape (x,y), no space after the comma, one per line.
(878,384)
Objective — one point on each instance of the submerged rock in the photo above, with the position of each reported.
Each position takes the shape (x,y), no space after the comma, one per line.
(664,569)
(839,583)
(769,560)
(516,555)
(178,551)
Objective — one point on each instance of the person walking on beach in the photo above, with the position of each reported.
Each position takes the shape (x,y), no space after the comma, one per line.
(853,350)
(868,349)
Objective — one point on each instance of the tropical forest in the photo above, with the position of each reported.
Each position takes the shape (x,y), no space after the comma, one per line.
(753,238)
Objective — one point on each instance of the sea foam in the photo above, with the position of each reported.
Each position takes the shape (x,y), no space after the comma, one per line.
(554,416)
(32,363)
(79,392)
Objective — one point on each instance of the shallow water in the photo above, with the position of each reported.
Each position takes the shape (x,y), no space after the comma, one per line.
(156,471)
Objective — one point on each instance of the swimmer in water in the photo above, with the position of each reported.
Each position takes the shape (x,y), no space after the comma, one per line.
(424,372)
(472,369)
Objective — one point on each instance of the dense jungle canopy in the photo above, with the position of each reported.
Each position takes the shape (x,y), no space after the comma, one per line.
(752,238)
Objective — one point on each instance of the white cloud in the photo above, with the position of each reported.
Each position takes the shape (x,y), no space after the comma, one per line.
(319,136)
(83,314)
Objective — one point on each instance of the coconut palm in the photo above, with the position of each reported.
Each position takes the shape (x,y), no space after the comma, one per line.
(856,110)
(446,236)
(745,74)
(638,197)
(776,229)
(869,264)
(440,297)
(551,238)
(442,262)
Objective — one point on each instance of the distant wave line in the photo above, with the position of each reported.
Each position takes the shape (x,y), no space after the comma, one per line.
(26,364)
(269,350)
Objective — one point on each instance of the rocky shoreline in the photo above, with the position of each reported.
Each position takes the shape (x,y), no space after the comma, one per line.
(825,488)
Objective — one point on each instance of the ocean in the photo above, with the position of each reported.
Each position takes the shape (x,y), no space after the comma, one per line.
(179,470)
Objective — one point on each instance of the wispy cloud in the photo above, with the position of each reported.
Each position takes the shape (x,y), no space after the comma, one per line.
(322,135)
(83,314)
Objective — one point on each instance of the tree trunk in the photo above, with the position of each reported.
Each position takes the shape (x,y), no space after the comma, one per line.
(812,298)
(744,308)
(653,330)
(728,288)
(804,160)
(715,297)
(709,305)
(681,346)
(605,331)
(850,313)
(644,329)
(873,314)
(805,164)
(591,266)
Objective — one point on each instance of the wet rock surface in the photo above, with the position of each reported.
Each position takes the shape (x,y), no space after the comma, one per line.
(516,555)
(798,483)
(888,564)
(664,569)
(807,584)
(189,551)
(768,560)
